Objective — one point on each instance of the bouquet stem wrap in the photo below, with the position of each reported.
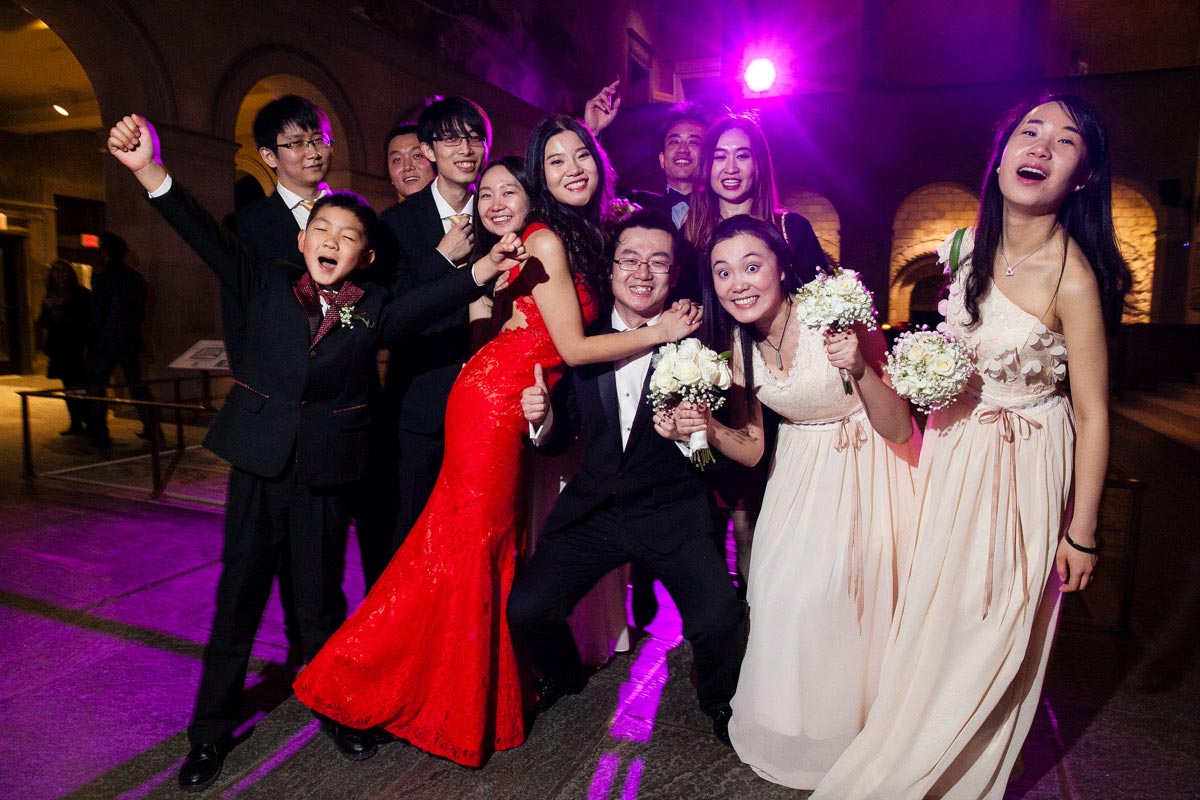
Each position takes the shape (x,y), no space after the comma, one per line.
(836,302)
(689,371)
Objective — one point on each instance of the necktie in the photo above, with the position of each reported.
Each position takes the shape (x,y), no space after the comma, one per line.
(308,205)
(329,295)
(675,196)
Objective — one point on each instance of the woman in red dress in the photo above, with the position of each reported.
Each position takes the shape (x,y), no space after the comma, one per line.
(427,656)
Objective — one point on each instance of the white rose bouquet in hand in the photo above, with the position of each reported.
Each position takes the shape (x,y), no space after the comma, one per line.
(692,372)
(929,368)
(834,302)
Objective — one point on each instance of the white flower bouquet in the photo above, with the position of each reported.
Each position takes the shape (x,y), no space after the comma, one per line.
(692,372)
(929,368)
(835,302)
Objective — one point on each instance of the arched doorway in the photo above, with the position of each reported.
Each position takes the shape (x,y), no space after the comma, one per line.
(52,203)
(916,290)
(922,222)
(1137,230)
(251,170)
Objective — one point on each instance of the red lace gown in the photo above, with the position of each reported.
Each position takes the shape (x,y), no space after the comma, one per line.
(428,655)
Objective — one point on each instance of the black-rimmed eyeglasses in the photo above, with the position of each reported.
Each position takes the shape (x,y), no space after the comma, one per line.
(454,140)
(659,266)
(319,143)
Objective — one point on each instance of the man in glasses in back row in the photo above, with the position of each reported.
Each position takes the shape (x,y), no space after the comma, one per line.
(434,233)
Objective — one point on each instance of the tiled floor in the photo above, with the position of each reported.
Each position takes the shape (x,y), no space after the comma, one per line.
(105,599)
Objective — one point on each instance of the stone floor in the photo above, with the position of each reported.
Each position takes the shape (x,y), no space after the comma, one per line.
(106,596)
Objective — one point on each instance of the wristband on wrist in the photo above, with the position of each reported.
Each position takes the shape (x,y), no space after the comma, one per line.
(1091,551)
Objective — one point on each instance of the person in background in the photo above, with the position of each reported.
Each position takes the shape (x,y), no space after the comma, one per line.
(63,324)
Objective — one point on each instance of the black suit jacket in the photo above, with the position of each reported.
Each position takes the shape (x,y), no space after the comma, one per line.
(268,230)
(661,495)
(419,377)
(292,401)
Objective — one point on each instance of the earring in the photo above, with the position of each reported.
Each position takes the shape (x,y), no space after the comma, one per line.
(997,170)
(1080,187)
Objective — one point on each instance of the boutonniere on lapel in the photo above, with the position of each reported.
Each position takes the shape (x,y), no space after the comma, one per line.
(349,316)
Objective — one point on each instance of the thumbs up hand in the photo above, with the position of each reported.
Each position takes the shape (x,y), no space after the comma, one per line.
(535,399)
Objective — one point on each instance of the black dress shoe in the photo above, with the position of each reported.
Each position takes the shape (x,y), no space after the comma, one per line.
(202,766)
(74,430)
(353,744)
(720,719)
(549,691)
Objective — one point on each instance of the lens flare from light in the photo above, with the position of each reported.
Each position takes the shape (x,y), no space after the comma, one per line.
(760,75)
(61,110)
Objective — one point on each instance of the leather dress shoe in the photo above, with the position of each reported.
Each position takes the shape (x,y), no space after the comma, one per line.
(720,718)
(353,744)
(202,766)
(549,691)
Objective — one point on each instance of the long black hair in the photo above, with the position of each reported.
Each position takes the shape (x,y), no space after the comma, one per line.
(1085,215)
(581,229)
(485,239)
(720,330)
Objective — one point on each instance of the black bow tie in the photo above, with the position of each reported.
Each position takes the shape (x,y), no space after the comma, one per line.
(674,196)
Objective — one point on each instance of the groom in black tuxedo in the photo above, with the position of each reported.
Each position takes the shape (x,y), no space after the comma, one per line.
(637,497)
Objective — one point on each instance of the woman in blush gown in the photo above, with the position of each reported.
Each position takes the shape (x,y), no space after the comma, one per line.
(834,535)
(997,543)
(427,656)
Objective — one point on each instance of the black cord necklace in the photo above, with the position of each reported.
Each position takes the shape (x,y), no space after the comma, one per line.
(783,333)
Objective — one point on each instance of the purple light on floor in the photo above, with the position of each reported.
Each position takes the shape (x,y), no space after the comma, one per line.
(289,749)
(633,780)
(638,697)
(152,784)
(602,778)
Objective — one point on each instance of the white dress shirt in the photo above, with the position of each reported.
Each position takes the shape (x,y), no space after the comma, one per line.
(630,378)
(294,202)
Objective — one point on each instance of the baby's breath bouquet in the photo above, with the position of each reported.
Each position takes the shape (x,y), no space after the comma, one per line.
(834,302)
(692,372)
(929,368)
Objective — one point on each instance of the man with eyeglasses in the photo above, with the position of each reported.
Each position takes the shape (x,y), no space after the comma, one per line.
(294,138)
(434,233)
(636,498)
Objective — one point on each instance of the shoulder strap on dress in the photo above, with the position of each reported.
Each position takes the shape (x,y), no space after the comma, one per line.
(955,250)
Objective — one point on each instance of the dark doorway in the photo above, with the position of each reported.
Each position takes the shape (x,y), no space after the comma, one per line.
(11,254)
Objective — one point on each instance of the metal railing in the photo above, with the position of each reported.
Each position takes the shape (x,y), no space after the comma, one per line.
(155,408)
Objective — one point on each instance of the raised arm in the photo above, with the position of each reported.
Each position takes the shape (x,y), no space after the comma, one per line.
(134,143)
(1078,308)
(554,293)
(863,353)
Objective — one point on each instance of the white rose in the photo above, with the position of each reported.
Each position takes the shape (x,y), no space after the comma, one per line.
(687,373)
(724,376)
(943,365)
(666,364)
(709,371)
(690,346)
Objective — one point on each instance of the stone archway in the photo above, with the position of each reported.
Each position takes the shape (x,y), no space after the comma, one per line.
(824,218)
(915,291)
(1137,230)
(922,222)
(266,72)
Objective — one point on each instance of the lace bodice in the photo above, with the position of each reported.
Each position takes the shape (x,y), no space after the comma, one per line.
(1017,358)
(812,390)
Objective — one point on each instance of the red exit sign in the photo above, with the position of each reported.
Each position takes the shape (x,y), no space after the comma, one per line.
(89,240)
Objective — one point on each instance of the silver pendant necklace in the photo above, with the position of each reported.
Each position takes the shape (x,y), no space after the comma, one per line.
(1010,270)
(779,350)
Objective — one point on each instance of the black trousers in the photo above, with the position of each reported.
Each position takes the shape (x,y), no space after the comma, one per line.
(568,562)
(264,518)
(100,367)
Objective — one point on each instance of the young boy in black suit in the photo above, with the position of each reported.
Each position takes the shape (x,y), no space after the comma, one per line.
(295,425)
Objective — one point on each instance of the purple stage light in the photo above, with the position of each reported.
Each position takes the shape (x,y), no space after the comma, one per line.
(760,75)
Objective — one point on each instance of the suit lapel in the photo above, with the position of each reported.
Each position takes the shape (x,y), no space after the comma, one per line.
(644,415)
(606,386)
(431,220)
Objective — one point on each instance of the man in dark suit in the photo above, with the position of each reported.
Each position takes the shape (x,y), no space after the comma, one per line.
(295,425)
(434,235)
(637,498)
(294,138)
